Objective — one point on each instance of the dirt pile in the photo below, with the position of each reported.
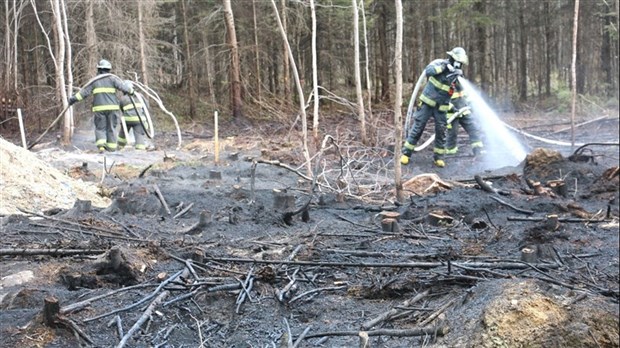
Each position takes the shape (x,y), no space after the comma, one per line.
(29,183)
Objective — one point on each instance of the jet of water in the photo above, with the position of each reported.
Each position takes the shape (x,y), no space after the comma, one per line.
(502,148)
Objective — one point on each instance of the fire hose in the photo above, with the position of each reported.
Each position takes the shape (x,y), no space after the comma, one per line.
(64,111)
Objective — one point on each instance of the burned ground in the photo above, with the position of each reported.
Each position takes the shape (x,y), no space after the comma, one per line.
(249,253)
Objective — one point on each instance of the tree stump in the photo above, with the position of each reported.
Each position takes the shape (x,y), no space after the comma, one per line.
(552,222)
(558,187)
(283,201)
(215,175)
(51,310)
(529,254)
(80,208)
(389,225)
(439,218)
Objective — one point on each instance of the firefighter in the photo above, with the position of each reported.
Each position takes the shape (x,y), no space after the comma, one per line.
(443,77)
(132,112)
(105,104)
(466,120)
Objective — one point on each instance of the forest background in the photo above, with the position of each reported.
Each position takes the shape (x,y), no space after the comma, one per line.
(229,55)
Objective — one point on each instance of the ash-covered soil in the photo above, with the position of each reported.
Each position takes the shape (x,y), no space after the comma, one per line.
(266,257)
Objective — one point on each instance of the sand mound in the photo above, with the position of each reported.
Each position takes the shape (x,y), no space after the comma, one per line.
(29,183)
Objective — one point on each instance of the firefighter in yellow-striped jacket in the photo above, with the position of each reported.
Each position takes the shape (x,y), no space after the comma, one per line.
(434,102)
(465,120)
(105,105)
(132,112)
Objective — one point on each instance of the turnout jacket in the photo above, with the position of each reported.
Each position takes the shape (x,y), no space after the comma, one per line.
(104,93)
(130,114)
(439,89)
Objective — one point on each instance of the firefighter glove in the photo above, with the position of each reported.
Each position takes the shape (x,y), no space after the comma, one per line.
(450,67)
(72,100)
(455,74)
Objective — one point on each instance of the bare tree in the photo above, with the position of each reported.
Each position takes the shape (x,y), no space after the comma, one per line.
(142,42)
(189,72)
(285,58)
(302,107)
(367,62)
(235,70)
(398,100)
(256,54)
(315,77)
(574,73)
(358,79)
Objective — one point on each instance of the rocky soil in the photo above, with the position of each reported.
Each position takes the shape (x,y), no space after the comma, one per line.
(170,249)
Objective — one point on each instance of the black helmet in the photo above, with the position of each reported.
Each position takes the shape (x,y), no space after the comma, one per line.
(104,65)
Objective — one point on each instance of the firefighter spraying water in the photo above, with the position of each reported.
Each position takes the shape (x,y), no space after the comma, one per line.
(453,101)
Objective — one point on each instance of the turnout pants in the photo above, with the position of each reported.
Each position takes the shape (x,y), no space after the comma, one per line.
(420,118)
(469,125)
(138,134)
(105,127)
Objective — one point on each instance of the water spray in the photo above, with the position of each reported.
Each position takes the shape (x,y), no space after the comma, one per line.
(502,147)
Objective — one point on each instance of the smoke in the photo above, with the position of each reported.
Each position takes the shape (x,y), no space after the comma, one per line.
(501,146)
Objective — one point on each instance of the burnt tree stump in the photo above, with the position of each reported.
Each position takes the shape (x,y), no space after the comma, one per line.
(558,187)
(283,201)
(529,254)
(51,310)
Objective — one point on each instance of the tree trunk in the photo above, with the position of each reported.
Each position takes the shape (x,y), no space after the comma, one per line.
(285,58)
(384,53)
(367,66)
(142,43)
(68,64)
(547,49)
(358,78)
(398,118)
(523,53)
(574,73)
(302,107)
(480,60)
(256,55)
(235,70)
(189,64)
(59,40)
(91,37)
(315,78)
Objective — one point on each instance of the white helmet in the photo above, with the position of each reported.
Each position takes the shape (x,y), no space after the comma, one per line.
(459,55)
(104,64)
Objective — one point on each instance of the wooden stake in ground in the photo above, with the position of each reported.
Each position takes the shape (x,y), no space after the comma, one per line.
(21,128)
(216,138)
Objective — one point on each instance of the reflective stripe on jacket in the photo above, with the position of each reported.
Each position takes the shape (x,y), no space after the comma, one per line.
(103,91)
(436,93)
(129,111)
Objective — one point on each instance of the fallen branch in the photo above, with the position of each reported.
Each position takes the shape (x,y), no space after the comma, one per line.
(425,265)
(136,304)
(185,210)
(161,198)
(519,210)
(71,222)
(143,318)
(316,290)
(538,219)
(79,305)
(51,252)
(392,312)
(431,331)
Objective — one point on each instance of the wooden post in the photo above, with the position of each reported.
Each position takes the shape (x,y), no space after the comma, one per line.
(216,137)
(21,127)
